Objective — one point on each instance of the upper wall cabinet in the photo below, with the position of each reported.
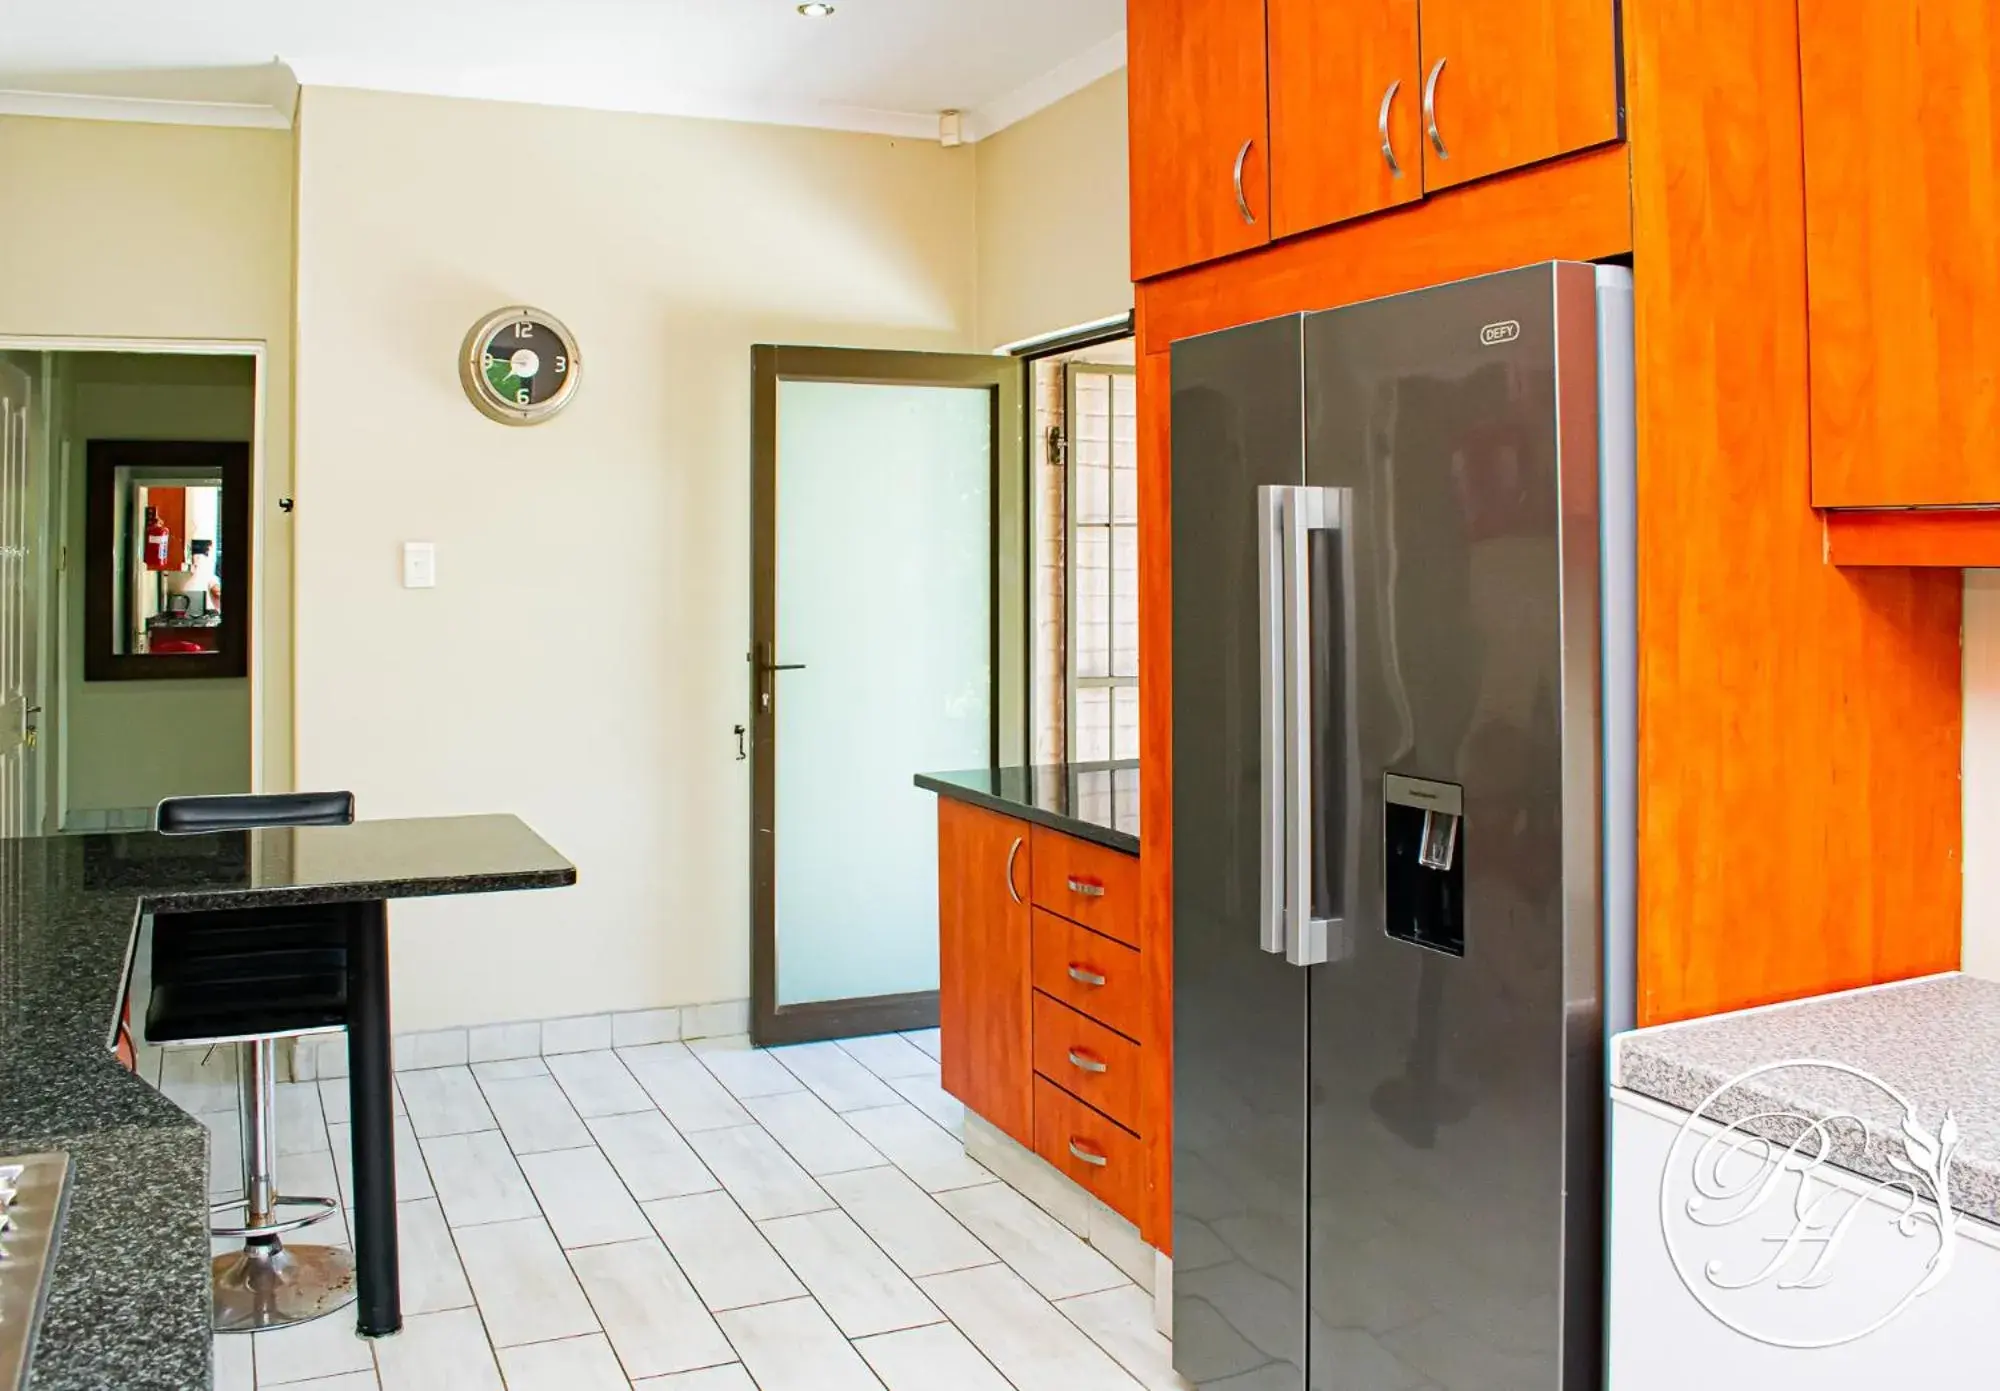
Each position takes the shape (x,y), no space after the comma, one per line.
(1201,184)
(1902,156)
(1509,83)
(1371,103)
(1345,88)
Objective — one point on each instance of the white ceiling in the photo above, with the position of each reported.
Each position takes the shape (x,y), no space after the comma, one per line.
(878,65)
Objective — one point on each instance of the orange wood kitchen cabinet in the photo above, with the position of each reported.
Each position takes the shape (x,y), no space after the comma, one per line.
(1344,110)
(1509,83)
(985,955)
(1200,148)
(1902,180)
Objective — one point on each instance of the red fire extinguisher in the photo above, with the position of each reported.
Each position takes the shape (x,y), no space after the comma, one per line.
(158,538)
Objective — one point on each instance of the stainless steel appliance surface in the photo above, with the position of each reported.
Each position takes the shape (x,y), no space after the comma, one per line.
(1403,839)
(32,1189)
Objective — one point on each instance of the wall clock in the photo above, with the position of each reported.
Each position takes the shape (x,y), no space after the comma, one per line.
(519,365)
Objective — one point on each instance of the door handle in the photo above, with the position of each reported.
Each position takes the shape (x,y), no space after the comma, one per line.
(1243,202)
(764,660)
(1083,975)
(1012,851)
(1080,1059)
(1431,109)
(1088,1156)
(1382,125)
(1089,888)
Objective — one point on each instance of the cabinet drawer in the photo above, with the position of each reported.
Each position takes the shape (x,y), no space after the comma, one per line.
(1087,883)
(1088,1061)
(1091,973)
(1102,1156)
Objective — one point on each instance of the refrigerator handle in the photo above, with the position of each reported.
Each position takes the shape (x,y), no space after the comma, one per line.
(1318,820)
(1273,668)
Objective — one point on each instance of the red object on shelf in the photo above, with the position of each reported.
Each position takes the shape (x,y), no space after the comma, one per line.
(176,645)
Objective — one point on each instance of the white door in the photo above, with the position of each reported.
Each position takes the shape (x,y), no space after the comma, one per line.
(20,771)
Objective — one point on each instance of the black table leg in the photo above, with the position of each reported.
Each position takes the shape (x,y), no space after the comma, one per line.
(371,1099)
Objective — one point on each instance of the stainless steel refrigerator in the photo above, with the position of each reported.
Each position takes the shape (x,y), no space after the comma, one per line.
(1403,706)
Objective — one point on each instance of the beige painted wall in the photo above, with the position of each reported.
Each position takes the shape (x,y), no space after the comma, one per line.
(1054,218)
(581,660)
(1981,773)
(126,744)
(118,230)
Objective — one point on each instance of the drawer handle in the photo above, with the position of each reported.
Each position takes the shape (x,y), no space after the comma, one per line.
(1083,975)
(1012,851)
(1079,1058)
(1088,1156)
(1089,888)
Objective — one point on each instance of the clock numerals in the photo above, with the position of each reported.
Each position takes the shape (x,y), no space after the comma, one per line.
(562,363)
(519,370)
(486,362)
(524,330)
(521,396)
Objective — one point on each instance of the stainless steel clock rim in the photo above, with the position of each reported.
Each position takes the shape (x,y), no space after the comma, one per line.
(481,391)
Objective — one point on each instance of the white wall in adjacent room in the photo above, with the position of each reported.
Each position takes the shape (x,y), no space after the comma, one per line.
(1981,773)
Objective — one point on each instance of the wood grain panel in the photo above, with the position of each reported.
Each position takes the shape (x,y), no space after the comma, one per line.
(1062,1121)
(1331,66)
(1523,81)
(1799,726)
(1156,798)
(1062,947)
(1953,539)
(1087,883)
(1575,209)
(985,1013)
(1197,92)
(1902,176)
(1090,1062)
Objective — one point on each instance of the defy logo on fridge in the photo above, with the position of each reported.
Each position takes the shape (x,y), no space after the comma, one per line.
(1506,331)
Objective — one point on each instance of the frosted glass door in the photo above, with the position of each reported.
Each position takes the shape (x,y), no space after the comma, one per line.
(884,603)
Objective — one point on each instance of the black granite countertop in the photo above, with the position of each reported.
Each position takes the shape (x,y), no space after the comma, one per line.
(128,1298)
(1091,801)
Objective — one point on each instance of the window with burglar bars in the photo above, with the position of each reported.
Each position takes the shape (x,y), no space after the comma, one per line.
(1102,421)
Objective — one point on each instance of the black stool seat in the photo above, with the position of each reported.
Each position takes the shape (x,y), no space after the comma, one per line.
(248,973)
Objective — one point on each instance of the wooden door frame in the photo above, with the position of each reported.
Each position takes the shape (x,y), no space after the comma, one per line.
(258,351)
(771,364)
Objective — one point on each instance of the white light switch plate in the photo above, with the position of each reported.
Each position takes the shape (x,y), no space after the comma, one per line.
(420,565)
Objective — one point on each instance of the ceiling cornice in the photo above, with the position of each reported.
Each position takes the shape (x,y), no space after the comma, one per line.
(75,106)
(1065,79)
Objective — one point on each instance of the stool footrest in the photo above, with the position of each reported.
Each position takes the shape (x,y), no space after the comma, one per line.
(323,1209)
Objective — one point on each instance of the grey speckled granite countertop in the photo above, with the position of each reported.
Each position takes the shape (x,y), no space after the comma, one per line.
(128,1299)
(1935,1040)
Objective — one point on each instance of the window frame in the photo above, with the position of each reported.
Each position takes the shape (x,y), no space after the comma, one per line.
(1073,682)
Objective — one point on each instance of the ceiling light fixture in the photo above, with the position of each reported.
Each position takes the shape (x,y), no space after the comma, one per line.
(816,10)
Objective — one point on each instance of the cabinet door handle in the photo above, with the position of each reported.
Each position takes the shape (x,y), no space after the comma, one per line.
(1242,202)
(1080,1059)
(1077,1151)
(1012,851)
(1382,125)
(1431,110)
(1083,975)
(1089,888)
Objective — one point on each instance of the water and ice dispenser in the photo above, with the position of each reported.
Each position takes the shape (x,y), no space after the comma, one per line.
(1424,826)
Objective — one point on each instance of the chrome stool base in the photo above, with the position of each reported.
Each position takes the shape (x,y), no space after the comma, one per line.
(271,1285)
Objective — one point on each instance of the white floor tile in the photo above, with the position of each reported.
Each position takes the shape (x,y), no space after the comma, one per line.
(722,1253)
(353,1381)
(730,1378)
(860,1288)
(323,1348)
(598,1084)
(1044,1252)
(930,1040)
(235,1363)
(413,1180)
(535,1115)
(937,1358)
(639,1026)
(680,1086)
(650,1156)
(444,1101)
(1035,1348)
(333,1096)
(813,1133)
(510,1069)
(923,1092)
(794,1346)
(930,1155)
(523,1283)
(308,1176)
(651,1313)
(746,1071)
(433,1280)
(758,1173)
(225,1154)
(301,1122)
(436,1351)
(478,1180)
(571,1364)
(1121,1322)
(200,1079)
(906,1222)
(889,1056)
(583,1198)
(841,1082)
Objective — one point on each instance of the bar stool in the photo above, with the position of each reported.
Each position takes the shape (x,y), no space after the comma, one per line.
(249,977)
